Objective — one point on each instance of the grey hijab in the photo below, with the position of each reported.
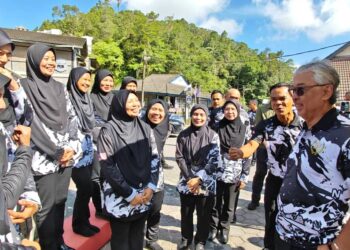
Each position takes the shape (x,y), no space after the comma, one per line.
(47,97)
(101,100)
(5,39)
(81,101)
(45,94)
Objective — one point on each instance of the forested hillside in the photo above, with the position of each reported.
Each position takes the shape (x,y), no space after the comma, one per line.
(206,59)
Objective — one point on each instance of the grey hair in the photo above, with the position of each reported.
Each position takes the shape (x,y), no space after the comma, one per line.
(323,73)
(254,101)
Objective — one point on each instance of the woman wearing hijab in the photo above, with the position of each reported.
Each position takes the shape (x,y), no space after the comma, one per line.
(198,156)
(78,85)
(129,167)
(101,96)
(55,143)
(129,83)
(157,117)
(232,133)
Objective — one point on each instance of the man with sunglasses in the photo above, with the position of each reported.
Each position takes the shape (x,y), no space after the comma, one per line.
(278,134)
(314,198)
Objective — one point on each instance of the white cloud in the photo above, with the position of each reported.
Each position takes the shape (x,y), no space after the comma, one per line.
(318,20)
(228,25)
(196,11)
(191,10)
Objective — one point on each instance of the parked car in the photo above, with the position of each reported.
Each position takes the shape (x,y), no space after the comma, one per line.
(177,124)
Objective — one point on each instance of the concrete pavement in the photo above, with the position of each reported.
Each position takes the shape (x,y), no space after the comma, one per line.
(246,234)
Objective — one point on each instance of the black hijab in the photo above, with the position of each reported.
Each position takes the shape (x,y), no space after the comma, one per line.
(126,80)
(7,115)
(231,133)
(198,140)
(81,101)
(132,142)
(46,95)
(101,100)
(160,130)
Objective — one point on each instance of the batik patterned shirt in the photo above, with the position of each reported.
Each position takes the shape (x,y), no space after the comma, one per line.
(207,171)
(314,198)
(42,164)
(279,140)
(115,204)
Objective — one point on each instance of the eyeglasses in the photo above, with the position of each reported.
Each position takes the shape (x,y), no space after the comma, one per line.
(300,90)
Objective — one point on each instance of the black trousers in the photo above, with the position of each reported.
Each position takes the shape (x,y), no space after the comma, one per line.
(96,184)
(224,208)
(282,245)
(203,206)
(128,233)
(272,188)
(153,219)
(81,212)
(52,190)
(260,173)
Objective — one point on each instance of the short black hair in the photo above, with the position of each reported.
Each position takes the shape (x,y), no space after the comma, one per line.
(279,85)
(216,92)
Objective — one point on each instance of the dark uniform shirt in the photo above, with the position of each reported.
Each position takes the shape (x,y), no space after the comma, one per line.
(278,140)
(314,196)
(215,116)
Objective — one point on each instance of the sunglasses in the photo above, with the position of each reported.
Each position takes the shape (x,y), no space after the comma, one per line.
(300,91)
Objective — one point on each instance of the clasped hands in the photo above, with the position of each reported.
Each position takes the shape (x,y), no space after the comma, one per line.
(194,185)
(143,198)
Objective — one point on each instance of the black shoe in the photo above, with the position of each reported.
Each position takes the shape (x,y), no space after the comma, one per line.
(153,245)
(199,246)
(184,245)
(63,246)
(212,234)
(94,228)
(224,236)
(252,205)
(84,231)
(234,219)
(167,166)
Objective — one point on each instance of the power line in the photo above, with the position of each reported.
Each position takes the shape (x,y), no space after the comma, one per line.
(313,50)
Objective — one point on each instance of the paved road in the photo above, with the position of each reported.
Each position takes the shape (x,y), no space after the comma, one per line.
(246,234)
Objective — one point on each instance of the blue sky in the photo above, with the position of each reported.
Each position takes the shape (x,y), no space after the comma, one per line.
(288,25)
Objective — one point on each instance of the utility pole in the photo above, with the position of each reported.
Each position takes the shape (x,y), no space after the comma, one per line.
(145,59)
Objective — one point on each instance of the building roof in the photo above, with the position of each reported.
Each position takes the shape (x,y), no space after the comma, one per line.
(338,51)
(340,60)
(62,41)
(161,84)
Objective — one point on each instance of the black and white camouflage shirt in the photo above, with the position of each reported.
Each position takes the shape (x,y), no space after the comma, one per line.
(278,140)
(314,198)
